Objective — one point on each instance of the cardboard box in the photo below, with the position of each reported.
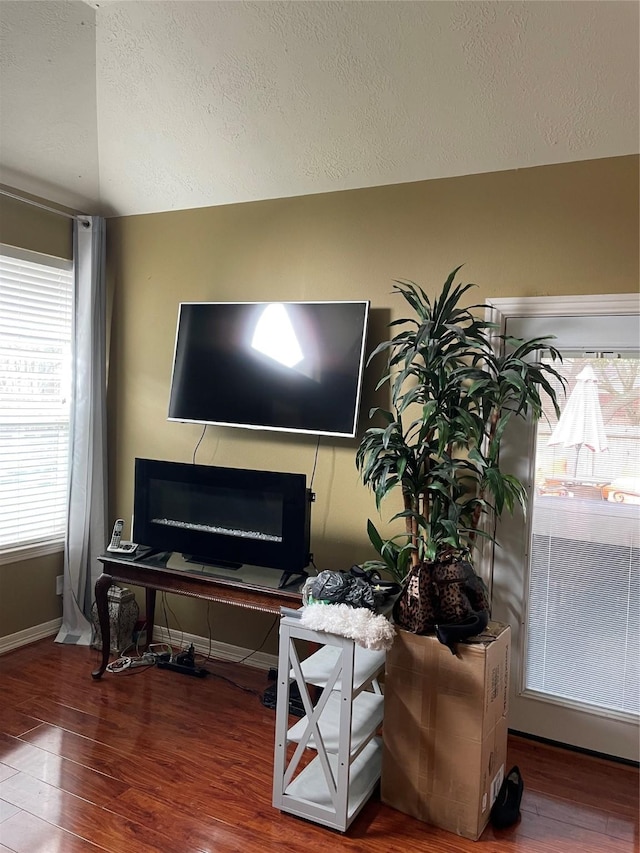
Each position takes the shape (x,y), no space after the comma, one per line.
(445,728)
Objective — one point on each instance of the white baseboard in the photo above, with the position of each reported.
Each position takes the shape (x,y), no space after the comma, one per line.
(29,635)
(180,640)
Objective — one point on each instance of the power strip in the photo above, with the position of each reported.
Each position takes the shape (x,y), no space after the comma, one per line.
(147,659)
(185,669)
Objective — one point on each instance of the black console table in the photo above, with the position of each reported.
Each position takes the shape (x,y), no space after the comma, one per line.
(153,575)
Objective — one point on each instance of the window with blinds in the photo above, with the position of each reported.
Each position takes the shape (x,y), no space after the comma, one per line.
(36,310)
(584,596)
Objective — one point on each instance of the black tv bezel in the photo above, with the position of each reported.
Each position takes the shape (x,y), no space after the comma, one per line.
(351,433)
(290,556)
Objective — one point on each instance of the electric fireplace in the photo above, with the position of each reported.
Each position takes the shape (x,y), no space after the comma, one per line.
(223,517)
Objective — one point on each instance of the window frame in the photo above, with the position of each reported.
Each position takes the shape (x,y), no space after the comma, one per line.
(540,715)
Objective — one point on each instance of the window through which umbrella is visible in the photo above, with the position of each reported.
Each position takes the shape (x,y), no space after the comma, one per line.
(584,548)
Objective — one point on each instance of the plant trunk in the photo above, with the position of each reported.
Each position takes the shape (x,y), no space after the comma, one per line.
(477,513)
(411,527)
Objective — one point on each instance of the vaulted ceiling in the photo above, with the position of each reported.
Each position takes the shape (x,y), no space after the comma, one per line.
(123,107)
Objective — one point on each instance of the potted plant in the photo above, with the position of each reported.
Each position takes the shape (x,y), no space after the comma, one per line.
(452,396)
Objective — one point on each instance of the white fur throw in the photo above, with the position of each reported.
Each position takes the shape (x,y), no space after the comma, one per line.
(368,629)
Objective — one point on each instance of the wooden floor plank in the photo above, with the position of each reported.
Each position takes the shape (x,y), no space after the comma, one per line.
(204,830)
(571,775)
(112,761)
(5,771)
(158,762)
(7,810)
(84,819)
(557,836)
(14,722)
(28,834)
(67,775)
(575,814)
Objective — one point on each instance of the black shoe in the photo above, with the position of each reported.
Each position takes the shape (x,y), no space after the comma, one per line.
(506,809)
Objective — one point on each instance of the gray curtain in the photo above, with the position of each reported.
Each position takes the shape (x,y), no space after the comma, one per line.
(87,510)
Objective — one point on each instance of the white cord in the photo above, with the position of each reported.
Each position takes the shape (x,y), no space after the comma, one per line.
(119,664)
(124,662)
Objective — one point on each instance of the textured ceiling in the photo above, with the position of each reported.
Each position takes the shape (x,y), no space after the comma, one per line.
(128,107)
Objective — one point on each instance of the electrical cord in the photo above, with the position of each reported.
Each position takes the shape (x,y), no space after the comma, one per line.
(198,444)
(130,664)
(177,621)
(261,646)
(127,665)
(235,684)
(125,662)
(165,607)
(135,644)
(119,665)
(204,658)
(209,627)
(315,462)
(246,657)
(166,618)
(164,646)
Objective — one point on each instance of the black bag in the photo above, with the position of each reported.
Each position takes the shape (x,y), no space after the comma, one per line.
(446,598)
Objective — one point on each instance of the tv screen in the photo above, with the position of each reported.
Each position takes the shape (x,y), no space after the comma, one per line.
(290,366)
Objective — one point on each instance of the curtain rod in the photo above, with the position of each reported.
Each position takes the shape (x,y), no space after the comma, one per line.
(81,217)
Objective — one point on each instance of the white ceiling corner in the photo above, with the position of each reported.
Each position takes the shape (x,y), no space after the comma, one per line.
(125,106)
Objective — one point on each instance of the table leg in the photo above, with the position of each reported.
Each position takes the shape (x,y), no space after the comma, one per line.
(102,606)
(150,605)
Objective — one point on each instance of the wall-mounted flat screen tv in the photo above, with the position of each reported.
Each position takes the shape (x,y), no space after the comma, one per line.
(289,366)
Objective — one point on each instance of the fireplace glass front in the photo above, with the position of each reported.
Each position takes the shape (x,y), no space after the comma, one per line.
(223,516)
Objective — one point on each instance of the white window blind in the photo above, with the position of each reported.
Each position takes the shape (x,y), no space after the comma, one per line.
(584,595)
(36,303)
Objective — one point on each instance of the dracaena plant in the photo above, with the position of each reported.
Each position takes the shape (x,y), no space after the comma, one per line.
(452,395)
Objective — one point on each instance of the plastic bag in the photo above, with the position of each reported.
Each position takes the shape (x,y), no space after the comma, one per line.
(343,588)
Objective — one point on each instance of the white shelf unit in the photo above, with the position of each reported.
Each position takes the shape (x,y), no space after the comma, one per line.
(341,728)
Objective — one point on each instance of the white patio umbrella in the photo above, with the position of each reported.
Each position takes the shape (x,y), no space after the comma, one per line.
(580,423)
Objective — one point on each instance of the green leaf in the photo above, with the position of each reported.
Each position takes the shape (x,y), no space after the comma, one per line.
(374,536)
(458,395)
(388,416)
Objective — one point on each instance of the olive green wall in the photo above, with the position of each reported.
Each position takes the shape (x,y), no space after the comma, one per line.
(28,587)
(28,593)
(29,227)
(554,230)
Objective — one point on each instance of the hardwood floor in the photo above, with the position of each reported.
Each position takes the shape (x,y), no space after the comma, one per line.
(152,761)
